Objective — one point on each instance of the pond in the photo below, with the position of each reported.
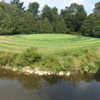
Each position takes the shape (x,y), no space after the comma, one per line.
(16,86)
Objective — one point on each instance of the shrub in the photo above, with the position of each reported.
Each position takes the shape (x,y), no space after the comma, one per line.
(30,56)
(7,59)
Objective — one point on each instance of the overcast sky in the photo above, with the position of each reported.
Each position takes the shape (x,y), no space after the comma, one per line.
(88,4)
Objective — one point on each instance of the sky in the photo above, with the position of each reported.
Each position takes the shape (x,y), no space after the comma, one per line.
(60,4)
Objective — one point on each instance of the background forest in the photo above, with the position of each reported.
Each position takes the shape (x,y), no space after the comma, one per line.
(16,19)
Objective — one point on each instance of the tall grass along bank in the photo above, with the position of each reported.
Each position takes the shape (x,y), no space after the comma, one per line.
(80,60)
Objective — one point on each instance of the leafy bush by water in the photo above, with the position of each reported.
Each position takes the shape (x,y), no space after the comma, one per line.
(31,56)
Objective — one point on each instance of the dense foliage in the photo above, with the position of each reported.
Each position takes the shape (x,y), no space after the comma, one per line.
(16,19)
(91,25)
(74,16)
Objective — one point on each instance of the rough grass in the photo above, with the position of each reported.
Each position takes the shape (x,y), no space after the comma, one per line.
(82,60)
(47,43)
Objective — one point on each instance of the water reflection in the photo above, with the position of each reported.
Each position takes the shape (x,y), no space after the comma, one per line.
(16,86)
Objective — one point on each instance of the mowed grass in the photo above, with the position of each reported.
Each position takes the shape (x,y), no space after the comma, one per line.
(51,52)
(46,42)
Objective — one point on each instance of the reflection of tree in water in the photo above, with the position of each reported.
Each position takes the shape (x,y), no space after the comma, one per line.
(28,82)
(53,79)
(35,82)
(7,74)
(97,75)
(77,78)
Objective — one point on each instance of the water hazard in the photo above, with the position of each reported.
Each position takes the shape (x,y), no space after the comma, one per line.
(16,86)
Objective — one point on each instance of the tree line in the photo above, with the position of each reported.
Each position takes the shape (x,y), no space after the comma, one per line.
(16,19)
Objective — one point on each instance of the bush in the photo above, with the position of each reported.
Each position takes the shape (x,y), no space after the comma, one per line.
(30,56)
(27,58)
(7,59)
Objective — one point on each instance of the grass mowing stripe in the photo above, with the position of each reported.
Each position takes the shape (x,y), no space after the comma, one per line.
(49,42)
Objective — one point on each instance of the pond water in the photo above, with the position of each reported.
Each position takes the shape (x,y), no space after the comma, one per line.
(22,87)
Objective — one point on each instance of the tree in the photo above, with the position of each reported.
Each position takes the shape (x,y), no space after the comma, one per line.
(5,23)
(55,16)
(50,13)
(46,13)
(26,23)
(97,8)
(91,26)
(74,16)
(34,8)
(14,21)
(7,16)
(59,26)
(44,26)
(18,4)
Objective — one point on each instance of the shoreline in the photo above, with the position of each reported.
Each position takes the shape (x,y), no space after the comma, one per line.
(29,71)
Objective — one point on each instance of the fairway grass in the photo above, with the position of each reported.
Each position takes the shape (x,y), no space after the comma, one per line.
(47,43)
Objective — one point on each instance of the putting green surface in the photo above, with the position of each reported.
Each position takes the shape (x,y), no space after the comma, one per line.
(46,42)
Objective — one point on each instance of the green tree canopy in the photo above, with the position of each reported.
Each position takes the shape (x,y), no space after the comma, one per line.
(26,23)
(97,8)
(91,26)
(14,21)
(46,13)
(44,26)
(74,16)
(34,8)
(7,18)
(59,26)
(18,4)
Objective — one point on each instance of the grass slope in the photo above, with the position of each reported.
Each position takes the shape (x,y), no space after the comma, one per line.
(47,42)
(54,52)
